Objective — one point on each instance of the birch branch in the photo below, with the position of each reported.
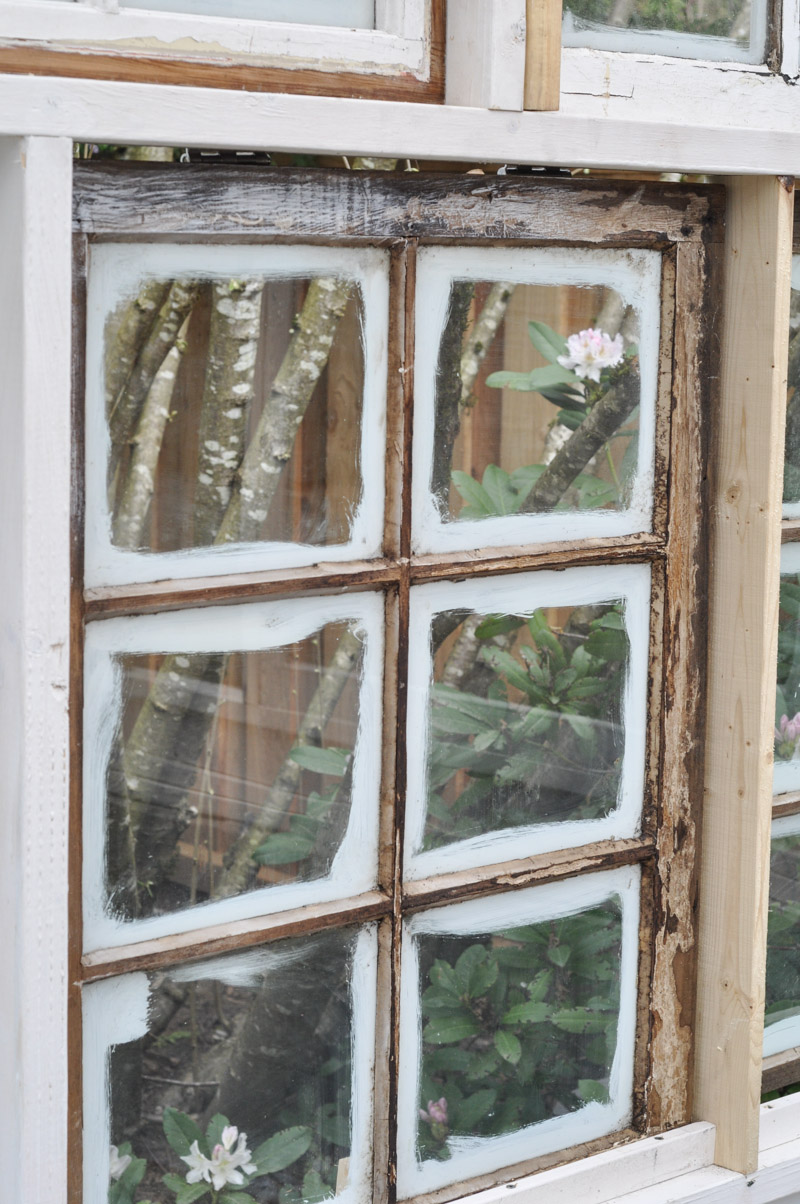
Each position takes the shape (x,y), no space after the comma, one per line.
(227,396)
(125,334)
(125,411)
(137,491)
(482,337)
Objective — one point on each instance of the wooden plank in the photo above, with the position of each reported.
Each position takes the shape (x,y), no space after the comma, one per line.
(613,117)
(148,199)
(485,54)
(743,614)
(543,55)
(786,804)
(780,1070)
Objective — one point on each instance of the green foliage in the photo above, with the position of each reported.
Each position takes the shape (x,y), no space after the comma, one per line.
(543,742)
(519,1026)
(285,848)
(716,21)
(121,1191)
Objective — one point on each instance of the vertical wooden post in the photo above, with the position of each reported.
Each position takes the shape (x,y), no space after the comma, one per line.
(35,251)
(747,449)
(543,55)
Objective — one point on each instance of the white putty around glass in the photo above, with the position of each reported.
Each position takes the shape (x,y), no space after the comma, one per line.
(479,1155)
(522,594)
(116,272)
(115,1011)
(636,276)
(245,628)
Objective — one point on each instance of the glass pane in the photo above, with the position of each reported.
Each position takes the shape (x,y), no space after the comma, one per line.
(783,944)
(532,732)
(235,401)
(513,367)
(224,773)
(726,29)
(235,1073)
(791,470)
(787,699)
(356,14)
(520,1026)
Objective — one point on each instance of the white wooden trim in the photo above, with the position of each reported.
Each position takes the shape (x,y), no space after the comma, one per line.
(485,54)
(58,26)
(34,653)
(144,114)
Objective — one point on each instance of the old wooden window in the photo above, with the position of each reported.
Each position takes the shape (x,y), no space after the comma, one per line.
(391,48)
(391,618)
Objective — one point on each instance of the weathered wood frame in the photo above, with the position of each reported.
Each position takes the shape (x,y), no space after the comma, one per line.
(685,225)
(402,60)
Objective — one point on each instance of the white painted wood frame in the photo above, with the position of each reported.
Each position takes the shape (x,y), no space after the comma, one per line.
(399,43)
(35,250)
(748,130)
(485,54)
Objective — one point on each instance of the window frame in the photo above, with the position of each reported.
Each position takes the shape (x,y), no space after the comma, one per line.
(684,223)
(402,58)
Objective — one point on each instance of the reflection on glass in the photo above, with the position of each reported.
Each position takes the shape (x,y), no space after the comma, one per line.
(519,1025)
(242,1081)
(529,730)
(787,699)
(229,771)
(717,30)
(791,468)
(233,410)
(783,939)
(357,14)
(520,368)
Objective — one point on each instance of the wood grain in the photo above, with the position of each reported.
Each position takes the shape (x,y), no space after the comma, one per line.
(743,621)
(201,200)
(543,55)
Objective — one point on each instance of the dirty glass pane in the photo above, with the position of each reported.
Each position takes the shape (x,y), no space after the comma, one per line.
(354,14)
(783,945)
(239,1077)
(526,720)
(791,469)
(218,782)
(519,369)
(723,29)
(787,698)
(233,412)
(516,1027)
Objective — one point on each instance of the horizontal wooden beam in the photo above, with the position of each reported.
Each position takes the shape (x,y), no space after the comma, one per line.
(707,137)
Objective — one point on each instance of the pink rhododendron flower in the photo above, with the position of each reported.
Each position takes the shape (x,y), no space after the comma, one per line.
(437,1112)
(590,351)
(787,737)
(225,1165)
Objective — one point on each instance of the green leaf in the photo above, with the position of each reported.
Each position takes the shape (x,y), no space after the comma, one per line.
(582,726)
(591,1090)
(282,848)
(494,625)
(214,1130)
(282,1149)
(503,662)
(473,1108)
(450,1029)
(497,485)
(333,761)
(473,955)
(443,976)
(236,1197)
(473,494)
(578,1020)
(508,1046)
(531,1012)
(559,955)
(335,1127)
(483,977)
(180,1131)
(607,645)
(453,721)
(186,1193)
(545,640)
(315,1188)
(547,342)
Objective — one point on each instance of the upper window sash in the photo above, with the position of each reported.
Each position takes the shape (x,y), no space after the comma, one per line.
(400,41)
